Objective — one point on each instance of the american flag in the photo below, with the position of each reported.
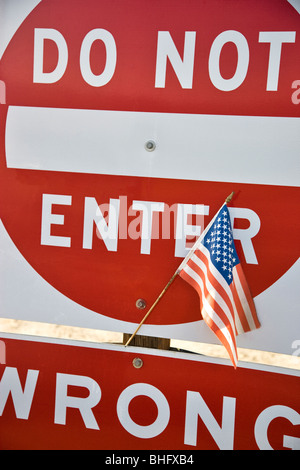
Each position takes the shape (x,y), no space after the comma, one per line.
(213,268)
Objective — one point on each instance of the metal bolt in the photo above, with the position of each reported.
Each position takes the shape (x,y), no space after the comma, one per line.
(150,145)
(137,363)
(140,304)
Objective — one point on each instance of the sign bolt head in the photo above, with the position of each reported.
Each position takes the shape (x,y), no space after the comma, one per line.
(137,363)
(140,304)
(150,145)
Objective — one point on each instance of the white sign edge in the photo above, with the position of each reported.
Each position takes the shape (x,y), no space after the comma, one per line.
(151,352)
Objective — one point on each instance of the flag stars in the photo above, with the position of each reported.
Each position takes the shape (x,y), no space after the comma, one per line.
(219,242)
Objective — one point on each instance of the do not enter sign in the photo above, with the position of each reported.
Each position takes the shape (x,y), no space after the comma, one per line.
(123,129)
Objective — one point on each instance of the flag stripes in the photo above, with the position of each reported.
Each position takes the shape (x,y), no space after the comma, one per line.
(219,319)
(243,298)
(209,313)
(214,288)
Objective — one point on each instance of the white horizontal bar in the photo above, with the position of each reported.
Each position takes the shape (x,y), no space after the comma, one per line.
(244,149)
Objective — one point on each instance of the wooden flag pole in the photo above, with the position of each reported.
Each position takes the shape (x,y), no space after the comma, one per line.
(152,307)
(227,200)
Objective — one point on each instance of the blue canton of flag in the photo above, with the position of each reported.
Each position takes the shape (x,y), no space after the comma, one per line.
(219,242)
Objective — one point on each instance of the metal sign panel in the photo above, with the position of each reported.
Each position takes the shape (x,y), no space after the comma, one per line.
(122,131)
(57,394)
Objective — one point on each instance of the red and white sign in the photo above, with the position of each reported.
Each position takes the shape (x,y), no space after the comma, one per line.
(93,217)
(72,395)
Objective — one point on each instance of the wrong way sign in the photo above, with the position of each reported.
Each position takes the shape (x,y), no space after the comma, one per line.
(77,395)
(122,132)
